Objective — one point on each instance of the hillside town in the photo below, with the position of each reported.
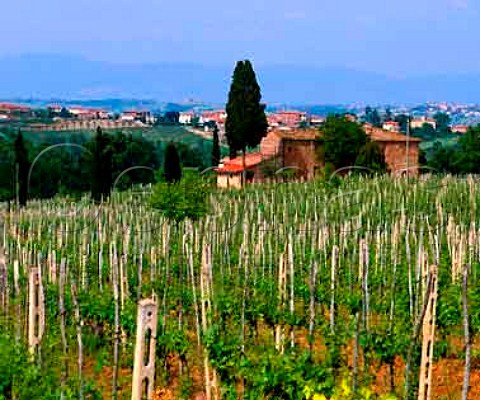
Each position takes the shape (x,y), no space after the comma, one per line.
(65,117)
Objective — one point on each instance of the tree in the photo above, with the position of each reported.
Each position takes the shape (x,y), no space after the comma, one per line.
(216,147)
(246,123)
(371,157)
(402,119)
(388,115)
(422,157)
(64,113)
(172,169)
(426,132)
(195,121)
(341,141)
(441,159)
(185,199)
(443,121)
(101,167)
(468,154)
(373,117)
(171,118)
(133,151)
(23,166)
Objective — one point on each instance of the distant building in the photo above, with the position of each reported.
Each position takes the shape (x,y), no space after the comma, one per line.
(218,117)
(55,108)
(292,119)
(186,118)
(10,110)
(418,122)
(459,128)
(135,115)
(391,126)
(82,113)
(316,120)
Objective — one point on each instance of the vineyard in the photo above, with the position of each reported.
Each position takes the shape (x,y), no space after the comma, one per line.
(282,291)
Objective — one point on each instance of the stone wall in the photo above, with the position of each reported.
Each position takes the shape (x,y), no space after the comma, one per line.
(85,125)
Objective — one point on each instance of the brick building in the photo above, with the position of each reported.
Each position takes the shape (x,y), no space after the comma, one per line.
(297,150)
(401,152)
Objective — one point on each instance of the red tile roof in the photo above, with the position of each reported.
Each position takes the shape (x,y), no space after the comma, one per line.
(381,135)
(236,164)
(13,107)
(297,134)
(291,113)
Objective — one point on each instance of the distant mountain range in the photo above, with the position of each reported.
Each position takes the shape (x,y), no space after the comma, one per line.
(70,77)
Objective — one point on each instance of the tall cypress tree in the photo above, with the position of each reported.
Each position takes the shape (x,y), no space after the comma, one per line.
(101,167)
(216,147)
(172,169)
(22,168)
(246,122)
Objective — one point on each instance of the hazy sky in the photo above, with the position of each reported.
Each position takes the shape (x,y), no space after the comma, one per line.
(390,36)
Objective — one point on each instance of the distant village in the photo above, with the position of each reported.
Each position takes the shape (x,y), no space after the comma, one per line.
(57,117)
(291,139)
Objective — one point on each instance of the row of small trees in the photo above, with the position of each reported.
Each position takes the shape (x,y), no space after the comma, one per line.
(107,157)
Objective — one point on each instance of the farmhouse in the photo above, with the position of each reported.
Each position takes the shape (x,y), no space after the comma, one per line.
(401,152)
(419,122)
(297,150)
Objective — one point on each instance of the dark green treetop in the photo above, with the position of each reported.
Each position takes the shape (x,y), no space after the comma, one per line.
(246,123)
(172,169)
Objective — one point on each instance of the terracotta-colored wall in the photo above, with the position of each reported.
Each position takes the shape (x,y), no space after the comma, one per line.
(229,181)
(300,154)
(396,156)
(270,145)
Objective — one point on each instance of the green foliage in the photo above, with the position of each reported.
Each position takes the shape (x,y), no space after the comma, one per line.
(285,376)
(443,122)
(441,159)
(246,123)
(172,170)
(22,379)
(215,147)
(341,141)
(426,132)
(136,154)
(469,151)
(371,157)
(186,199)
(7,169)
(373,117)
(461,159)
(23,166)
(101,167)
(403,120)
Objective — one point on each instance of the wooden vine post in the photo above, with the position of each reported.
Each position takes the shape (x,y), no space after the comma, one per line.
(144,364)
(425,384)
(36,310)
